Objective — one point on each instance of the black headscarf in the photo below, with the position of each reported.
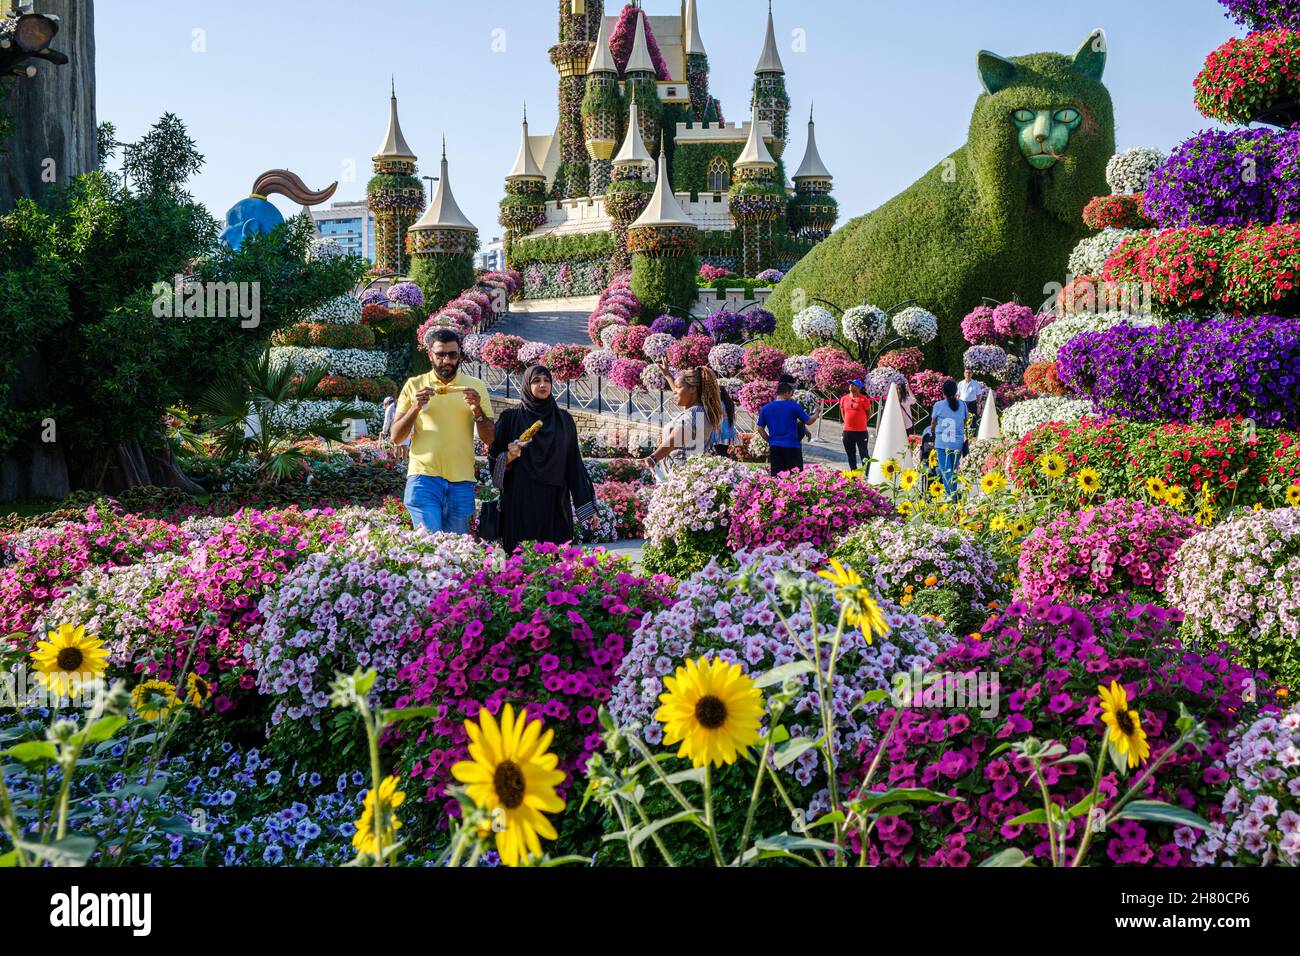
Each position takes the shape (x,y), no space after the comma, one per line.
(546,457)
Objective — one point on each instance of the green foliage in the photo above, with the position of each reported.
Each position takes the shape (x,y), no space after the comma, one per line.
(981,223)
(691,163)
(557,249)
(79,271)
(604,99)
(442,277)
(386,182)
(660,283)
(684,556)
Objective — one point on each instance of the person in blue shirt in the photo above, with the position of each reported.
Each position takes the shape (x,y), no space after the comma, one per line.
(778,425)
(948,418)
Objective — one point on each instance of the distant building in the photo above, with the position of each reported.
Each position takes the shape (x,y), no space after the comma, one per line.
(350,224)
(492,255)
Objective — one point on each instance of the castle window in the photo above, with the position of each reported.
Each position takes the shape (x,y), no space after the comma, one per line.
(719,175)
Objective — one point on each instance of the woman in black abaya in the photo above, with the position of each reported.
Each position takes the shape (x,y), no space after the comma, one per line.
(544,482)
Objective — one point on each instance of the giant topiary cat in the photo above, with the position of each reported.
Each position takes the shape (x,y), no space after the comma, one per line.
(997,218)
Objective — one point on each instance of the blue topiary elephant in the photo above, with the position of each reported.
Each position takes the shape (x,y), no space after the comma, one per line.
(256,214)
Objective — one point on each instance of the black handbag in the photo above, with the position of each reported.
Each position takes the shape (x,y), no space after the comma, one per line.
(489,521)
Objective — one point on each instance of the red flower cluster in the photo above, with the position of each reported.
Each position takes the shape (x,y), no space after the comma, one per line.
(1043,378)
(1247,75)
(1116,212)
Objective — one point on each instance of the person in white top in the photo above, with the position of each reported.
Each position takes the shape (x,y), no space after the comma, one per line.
(970,390)
(689,434)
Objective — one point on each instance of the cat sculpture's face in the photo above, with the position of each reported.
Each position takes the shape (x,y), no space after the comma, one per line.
(1042,129)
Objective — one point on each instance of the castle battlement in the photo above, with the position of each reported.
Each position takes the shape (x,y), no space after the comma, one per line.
(719,132)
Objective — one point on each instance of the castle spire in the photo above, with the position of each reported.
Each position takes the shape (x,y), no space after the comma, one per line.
(770,61)
(633,152)
(812,166)
(639,61)
(663,208)
(755,155)
(394,146)
(525,164)
(691,30)
(602,60)
(443,213)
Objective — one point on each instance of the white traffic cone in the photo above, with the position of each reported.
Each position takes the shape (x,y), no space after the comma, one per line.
(891,440)
(990,427)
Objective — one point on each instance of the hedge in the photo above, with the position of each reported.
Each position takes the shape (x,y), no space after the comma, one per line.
(659,283)
(559,249)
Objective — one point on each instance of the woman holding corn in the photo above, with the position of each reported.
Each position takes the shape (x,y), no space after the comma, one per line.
(535,462)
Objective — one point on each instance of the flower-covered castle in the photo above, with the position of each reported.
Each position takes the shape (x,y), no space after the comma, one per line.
(634,99)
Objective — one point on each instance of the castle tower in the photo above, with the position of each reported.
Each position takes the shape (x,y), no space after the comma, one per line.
(663,240)
(394,194)
(771,103)
(579,24)
(524,207)
(442,246)
(602,111)
(629,189)
(640,75)
(697,62)
(756,199)
(813,211)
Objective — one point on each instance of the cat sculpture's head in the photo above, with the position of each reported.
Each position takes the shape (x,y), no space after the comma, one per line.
(1046,120)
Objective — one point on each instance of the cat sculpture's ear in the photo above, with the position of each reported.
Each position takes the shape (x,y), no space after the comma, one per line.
(1091,58)
(996,72)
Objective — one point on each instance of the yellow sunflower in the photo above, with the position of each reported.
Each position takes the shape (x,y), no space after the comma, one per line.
(997,523)
(1293,496)
(511,775)
(1089,481)
(889,468)
(907,481)
(68,658)
(1176,497)
(390,798)
(1157,488)
(993,482)
(1053,465)
(933,460)
(1020,527)
(937,490)
(197,690)
(1126,731)
(860,608)
(905,508)
(712,709)
(1205,516)
(154,700)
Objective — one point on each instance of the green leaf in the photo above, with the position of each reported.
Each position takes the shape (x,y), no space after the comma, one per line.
(826,819)
(1083,806)
(365,681)
(1033,816)
(872,697)
(387,717)
(9,859)
(102,729)
(1008,857)
(1157,811)
(779,734)
(786,842)
(72,850)
(791,751)
(779,675)
(34,751)
(644,833)
(691,775)
(915,794)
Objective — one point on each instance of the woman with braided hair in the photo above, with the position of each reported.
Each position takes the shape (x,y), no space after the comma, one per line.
(691,432)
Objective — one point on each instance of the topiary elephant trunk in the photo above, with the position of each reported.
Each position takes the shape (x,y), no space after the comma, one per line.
(997,218)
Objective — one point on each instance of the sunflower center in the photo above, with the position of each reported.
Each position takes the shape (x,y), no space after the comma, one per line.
(70,659)
(1125,722)
(509,783)
(711,712)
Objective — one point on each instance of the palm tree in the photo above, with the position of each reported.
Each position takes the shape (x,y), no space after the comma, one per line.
(247,412)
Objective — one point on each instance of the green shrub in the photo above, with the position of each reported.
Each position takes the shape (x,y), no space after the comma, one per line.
(660,283)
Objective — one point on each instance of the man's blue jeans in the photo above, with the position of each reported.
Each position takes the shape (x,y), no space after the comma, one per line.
(437,504)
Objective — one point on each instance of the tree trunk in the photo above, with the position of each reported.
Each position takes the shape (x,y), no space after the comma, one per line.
(54,140)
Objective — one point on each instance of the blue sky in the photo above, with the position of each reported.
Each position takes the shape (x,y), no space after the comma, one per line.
(303,84)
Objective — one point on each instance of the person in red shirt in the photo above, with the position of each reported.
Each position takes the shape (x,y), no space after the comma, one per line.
(855,409)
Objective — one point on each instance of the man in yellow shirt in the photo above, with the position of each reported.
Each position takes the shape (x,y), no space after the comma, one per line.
(439,412)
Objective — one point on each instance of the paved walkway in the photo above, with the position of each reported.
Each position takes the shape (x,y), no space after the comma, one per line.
(557,326)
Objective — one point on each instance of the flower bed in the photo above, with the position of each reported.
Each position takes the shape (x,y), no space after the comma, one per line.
(1247,75)
(629,501)
(689,514)
(1117,212)
(814,506)
(1050,660)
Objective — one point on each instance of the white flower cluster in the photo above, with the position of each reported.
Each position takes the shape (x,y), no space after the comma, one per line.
(1053,337)
(340,310)
(1023,417)
(307,414)
(323,249)
(917,324)
(1129,171)
(1090,255)
(814,324)
(864,324)
(657,345)
(353,363)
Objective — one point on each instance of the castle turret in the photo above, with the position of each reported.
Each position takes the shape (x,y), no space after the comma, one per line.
(524,207)
(579,24)
(640,75)
(394,194)
(771,103)
(812,211)
(629,190)
(756,199)
(663,241)
(602,111)
(697,62)
(442,246)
